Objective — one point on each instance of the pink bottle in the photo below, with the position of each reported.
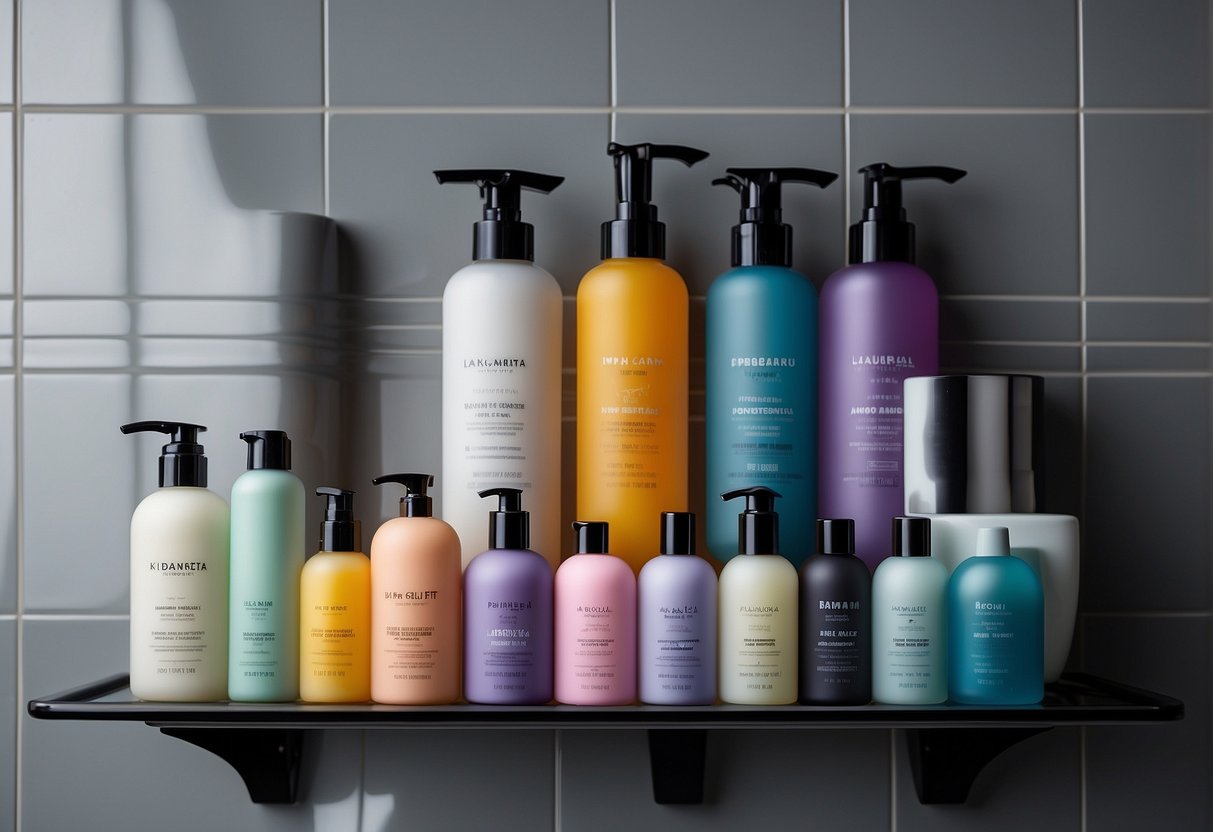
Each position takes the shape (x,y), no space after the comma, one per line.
(595,650)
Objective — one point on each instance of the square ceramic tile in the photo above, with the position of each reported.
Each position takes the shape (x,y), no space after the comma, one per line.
(1035,784)
(170,52)
(405,235)
(1151,775)
(963,53)
(6,190)
(1011,225)
(8,725)
(161,782)
(423,780)
(171,204)
(765,53)
(699,218)
(1146,54)
(1148,468)
(1147,206)
(1149,319)
(968,357)
(462,52)
(8,496)
(752,780)
(6,51)
(967,319)
(1063,445)
(1149,358)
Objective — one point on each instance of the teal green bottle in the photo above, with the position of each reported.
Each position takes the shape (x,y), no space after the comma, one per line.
(995,627)
(761,373)
(267,554)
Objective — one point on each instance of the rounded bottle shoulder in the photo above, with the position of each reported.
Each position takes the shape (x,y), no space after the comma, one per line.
(414,533)
(261,480)
(627,269)
(885,276)
(594,564)
(741,565)
(182,499)
(335,562)
(662,566)
(493,562)
(928,566)
(1002,571)
(504,275)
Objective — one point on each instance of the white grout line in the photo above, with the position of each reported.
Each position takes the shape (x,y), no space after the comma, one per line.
(325,78)
(75,616)
(846,128)
(556,781)
(613,71)
(18,405)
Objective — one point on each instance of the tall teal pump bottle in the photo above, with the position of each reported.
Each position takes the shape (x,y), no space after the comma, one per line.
(761,410)
(268,549)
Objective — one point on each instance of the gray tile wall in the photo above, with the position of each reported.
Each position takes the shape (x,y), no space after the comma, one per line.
(149,150)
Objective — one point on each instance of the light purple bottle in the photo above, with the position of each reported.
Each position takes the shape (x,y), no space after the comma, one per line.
(507,613)
(879,325)
(676,607)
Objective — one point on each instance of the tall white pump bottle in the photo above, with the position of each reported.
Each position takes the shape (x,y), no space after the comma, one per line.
(501,369)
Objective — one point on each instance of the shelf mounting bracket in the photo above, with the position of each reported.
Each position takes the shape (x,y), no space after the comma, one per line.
(267,759)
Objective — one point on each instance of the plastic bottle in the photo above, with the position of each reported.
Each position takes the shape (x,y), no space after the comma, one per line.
(335,609)
(676,610)
(267,556)
(595,650)
(835,620)
(507,604)
(758,609)
(910,620)
(632,356)
(995,627)
(416,615)
(879,324)
(761,336)
(179,574)
(501,368)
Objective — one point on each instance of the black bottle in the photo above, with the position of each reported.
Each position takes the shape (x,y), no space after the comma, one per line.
(835,620)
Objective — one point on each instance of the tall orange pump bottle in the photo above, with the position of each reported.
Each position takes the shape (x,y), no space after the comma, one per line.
(632,353)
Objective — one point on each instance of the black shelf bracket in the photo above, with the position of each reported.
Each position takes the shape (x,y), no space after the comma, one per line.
(946,761)
(676,761)
(267,759)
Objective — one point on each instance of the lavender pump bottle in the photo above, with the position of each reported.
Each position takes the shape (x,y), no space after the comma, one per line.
(507,608)
(879,324)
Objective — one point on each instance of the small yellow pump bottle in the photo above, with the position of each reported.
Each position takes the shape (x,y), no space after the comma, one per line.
(335,609)
(632,356)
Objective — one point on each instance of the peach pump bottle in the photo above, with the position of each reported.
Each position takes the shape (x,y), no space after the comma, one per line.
(335,610)
(416,612)
(632,357)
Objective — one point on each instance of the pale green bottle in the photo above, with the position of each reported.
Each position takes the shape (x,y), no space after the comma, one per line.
(267,556)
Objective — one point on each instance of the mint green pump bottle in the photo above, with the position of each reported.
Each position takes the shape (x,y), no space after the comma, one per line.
(267,555)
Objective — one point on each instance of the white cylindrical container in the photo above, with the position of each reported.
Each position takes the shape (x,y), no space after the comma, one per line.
(501,371)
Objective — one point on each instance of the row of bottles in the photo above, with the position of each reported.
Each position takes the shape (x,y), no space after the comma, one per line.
(407,626)
(502,362)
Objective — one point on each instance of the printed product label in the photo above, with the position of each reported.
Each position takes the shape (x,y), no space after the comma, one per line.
(330,646)
(255,622)
(507,655)
(411,651)
(178,639)
(678,658)
(835,649)
(763,419)
(493,421)
(628,440)
(875,434)
(909,651)
(761,653)
(991,643)
(594,661)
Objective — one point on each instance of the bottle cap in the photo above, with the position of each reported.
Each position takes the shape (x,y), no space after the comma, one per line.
(762,238)
(509,525)
(268,449)
(758,524)
(836,537)
(415,502)
(974,444)
(677,533)
(339,532)
(502,235)
(883,233)
(912,537)
(592,537)
(182,461)
(993,542)
(635,231)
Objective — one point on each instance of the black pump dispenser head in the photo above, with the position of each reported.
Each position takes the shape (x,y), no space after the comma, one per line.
(415,502)
(883,233)
(268,449)
(339,532)
(635,231)
(762,238)
(592,537)
(502,235)
(509,525)
(758,525)
(677,533)
(181,461)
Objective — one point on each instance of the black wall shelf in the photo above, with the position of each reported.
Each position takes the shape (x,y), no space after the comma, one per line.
(948,745)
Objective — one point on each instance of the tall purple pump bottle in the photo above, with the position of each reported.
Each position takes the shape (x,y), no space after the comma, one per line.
(879,325)
(507,608)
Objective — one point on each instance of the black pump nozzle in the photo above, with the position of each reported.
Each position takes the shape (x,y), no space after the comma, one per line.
(268,449)
(181,461)
(883,233)
(592,537)
(762,238)
(635,231)
(502,235)
(415,502)
(758,525)
(509,525)
(339,532)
